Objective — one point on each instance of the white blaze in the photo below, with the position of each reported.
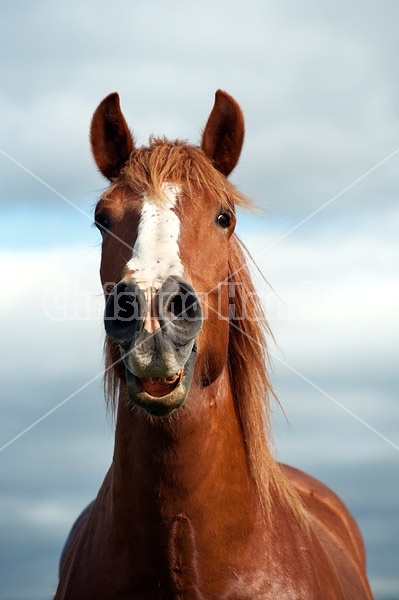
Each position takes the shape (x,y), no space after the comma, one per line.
(156,251)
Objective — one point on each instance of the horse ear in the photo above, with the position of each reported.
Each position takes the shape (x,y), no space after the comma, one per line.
(224,133)
(110,137)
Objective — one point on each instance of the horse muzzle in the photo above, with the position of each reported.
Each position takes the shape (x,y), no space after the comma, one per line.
(156,328)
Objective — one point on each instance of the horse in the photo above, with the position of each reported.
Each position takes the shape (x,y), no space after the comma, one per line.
(194,506)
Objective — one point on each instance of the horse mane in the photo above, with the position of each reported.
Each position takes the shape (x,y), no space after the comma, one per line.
(252,391)
(177,162)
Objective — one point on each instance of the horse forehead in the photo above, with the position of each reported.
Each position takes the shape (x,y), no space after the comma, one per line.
(156,252)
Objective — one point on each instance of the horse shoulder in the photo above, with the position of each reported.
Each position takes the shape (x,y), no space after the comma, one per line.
(333,525)
(325,506)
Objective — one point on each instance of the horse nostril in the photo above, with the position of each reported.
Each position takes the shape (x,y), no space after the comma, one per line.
(123,312)
(192,308)
(126,304)
(183,306)
(174,308)
(179,308)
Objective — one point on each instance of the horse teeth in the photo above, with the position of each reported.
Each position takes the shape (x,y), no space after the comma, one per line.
(163,380)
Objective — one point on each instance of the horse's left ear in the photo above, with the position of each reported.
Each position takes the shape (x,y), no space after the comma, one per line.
(111,140)
(224,133)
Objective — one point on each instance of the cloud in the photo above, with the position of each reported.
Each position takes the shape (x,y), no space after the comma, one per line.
(317,95)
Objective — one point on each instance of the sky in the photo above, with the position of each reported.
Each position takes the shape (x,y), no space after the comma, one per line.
(319,88)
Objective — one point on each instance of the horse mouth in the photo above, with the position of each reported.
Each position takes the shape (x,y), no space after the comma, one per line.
(160,396)
(159,387)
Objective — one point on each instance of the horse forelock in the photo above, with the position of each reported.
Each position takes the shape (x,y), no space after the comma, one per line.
(184,165)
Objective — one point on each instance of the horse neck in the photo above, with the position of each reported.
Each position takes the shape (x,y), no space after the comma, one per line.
(186,465)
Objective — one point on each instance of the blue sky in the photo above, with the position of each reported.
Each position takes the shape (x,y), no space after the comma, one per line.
(318,86)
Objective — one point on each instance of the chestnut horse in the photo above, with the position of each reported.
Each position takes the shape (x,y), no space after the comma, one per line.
(194,506)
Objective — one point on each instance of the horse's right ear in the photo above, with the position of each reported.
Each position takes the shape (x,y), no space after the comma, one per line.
(110,137)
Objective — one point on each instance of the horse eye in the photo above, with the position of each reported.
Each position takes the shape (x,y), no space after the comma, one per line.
(224,220)
(102,224)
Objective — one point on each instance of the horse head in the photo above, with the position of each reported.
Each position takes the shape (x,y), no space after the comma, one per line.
(167,221)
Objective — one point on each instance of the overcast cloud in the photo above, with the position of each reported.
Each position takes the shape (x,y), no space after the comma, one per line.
(320,92)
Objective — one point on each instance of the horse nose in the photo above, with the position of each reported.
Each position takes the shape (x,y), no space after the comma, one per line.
(179,310)
(174,308)
(125,310)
